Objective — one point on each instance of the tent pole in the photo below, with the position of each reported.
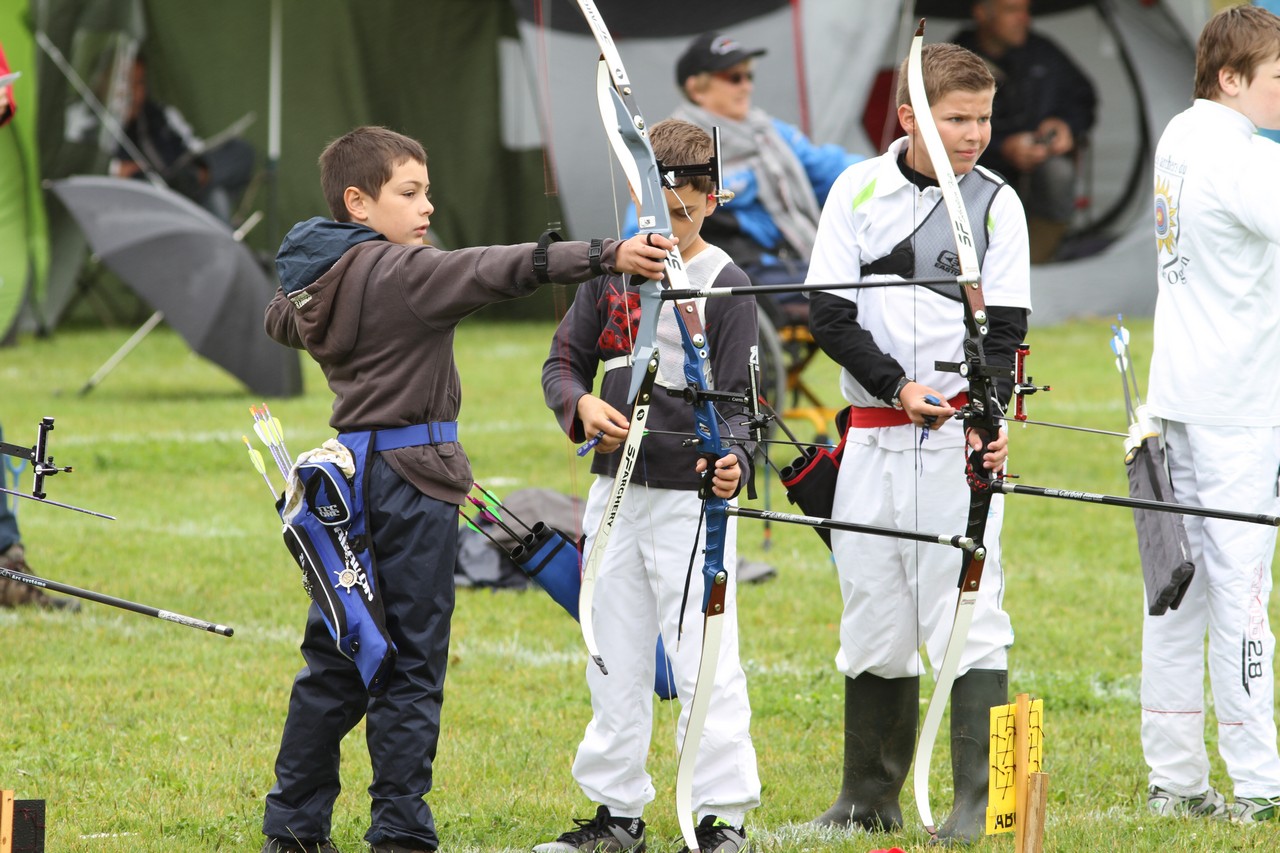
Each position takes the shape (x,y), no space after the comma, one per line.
(110,364)
(273,122)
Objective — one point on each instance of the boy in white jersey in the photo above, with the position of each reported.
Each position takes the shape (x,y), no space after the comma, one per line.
(883,221)
(641,580)
(1215,385)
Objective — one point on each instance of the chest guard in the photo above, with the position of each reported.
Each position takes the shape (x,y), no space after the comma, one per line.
(326,531)
(930,250)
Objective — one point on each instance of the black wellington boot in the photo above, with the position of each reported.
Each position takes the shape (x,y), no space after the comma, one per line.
(880,717)
(972,697)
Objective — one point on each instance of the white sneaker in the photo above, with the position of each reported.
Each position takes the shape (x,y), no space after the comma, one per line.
(1250,809)
(1165,803)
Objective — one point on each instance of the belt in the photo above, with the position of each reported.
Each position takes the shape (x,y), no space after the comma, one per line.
(436,432)
(882,416)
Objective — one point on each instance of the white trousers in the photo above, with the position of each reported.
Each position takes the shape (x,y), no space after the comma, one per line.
(1225,468)
(638,593)
(900,594)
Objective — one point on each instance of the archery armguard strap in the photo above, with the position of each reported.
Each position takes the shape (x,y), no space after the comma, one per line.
(594,254)
(540,255)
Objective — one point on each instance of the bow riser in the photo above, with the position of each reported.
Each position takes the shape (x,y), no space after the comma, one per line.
(693,338)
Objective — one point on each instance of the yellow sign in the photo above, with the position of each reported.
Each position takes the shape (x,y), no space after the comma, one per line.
(1017,749)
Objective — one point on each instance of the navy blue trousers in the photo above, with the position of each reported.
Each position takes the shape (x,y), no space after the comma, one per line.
(414,546)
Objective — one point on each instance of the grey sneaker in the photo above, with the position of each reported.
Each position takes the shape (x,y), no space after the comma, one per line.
(601,834)
(1163,803)
(1250,809)
(292,845)
(717,836)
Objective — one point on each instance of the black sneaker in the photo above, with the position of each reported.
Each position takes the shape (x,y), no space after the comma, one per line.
(717,836)
(292,845)
(398,847)
(601,834)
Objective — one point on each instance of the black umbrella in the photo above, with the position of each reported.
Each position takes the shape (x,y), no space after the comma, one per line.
(187,264)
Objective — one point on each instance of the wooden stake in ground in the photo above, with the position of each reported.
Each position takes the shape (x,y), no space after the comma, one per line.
(6,821)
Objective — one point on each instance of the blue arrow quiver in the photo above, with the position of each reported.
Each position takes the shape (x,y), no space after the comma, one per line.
(330,540)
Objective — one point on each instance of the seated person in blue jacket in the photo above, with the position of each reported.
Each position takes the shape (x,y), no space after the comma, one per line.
(779,178)
(1272,6)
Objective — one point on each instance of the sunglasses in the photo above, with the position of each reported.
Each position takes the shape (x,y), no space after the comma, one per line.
(734,78)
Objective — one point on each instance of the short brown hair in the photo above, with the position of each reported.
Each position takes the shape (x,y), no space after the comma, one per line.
(364,159)
(946,68)
(1240,38)
(679,143)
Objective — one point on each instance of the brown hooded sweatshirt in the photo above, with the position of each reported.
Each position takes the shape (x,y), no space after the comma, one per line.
(380,322)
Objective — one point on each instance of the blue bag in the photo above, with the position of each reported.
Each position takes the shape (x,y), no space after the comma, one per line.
(329,538)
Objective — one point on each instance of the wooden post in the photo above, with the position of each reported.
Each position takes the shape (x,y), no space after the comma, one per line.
(1021,760)
(6,821)
(1037,801)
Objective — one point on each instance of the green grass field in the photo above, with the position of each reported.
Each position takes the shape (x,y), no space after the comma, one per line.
(142,735)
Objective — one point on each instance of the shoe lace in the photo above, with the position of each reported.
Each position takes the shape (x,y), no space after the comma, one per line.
(711,834)
(588,829)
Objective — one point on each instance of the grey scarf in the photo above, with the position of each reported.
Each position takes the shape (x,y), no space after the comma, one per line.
(785,190)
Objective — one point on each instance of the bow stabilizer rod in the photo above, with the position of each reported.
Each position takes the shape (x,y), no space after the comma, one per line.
(112,601)
(964,543)
(1007,488)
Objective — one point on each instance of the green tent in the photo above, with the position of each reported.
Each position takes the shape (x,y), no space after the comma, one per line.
(436,70)
(24,254)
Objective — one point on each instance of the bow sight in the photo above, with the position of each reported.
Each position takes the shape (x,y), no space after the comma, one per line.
(42,466)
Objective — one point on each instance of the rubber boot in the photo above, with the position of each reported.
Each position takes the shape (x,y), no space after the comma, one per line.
(972,697)
(879,739)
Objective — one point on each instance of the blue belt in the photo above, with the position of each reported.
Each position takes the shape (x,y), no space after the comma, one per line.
(436,432)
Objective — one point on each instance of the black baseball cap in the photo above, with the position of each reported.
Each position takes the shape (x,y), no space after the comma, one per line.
(711,52)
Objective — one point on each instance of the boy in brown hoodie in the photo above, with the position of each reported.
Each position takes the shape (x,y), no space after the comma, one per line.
(377,308)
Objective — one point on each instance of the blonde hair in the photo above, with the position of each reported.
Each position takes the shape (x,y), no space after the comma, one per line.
(363,158)
(947,68)
(1240,38)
